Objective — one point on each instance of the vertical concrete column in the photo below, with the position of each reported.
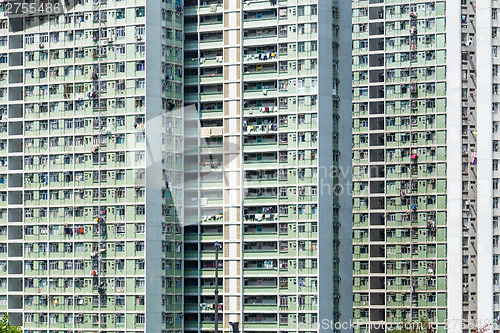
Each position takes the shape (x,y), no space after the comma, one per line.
(15,173)
(233,163)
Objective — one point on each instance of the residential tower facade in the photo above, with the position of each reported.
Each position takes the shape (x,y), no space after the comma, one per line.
(400,163)
(263,116)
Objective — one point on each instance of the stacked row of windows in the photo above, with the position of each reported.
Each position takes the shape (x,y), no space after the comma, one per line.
(279,98)
(84,106)
(399,161)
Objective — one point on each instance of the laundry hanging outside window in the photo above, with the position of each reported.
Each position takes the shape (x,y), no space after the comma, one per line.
(474,158)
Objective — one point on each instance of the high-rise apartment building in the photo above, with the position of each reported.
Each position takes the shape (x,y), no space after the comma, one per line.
(426,143)
(425,109)
(400,162)
(262,106)
(136,134)
(90,240)
(474,199)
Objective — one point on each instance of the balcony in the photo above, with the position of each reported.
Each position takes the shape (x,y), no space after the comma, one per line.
(263,253)
(254,289)
(260,308)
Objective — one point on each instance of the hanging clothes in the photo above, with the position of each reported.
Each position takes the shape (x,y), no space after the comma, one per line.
(474,158)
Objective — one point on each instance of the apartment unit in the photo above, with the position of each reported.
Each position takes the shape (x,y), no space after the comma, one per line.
(400,163)
(91,237)
(265,122)
(135,134)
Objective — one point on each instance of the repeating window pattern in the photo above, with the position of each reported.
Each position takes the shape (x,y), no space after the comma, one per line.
(78,108)
(277,98)
(399,161)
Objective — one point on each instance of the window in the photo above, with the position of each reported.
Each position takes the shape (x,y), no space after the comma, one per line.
(44,37)
(140,318)
(140,83)
(140,30)
(140,12)
(29,39)
(54,265)
(140,228)
(139,283)
(28,231)
(301,46)
(120,32)
(120,247)
(140,66)
(120,138)
(139,246)
(120,264)
(140,210)
(29,318)
(120,49)
(139,264)
(314,10)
